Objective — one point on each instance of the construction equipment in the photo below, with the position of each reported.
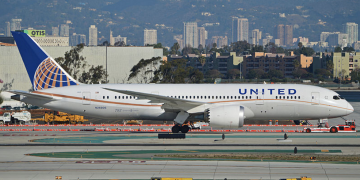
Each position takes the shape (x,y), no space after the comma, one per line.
(139,122)
(61,118)
(349,126)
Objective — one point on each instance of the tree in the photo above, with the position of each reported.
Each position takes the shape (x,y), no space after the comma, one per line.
(296,64)
(174,71)
(348,49)
(94,75)
(196,76)
(307,51)
(202,60)
(105,43)
(322,72)
(120,43)
(337,49)
(75,65)
(187,50)
(255,73)
(257,48)
(300,45)
(240,46)
(298,73)
(175,48)
(233,73)
(275,74)
(214,74)
(144,70)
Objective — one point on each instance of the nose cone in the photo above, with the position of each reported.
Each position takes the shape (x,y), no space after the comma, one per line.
(350,108)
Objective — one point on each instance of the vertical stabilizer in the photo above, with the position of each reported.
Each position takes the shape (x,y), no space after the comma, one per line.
(43,71)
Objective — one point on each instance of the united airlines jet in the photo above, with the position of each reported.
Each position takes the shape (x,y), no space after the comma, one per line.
(221,105)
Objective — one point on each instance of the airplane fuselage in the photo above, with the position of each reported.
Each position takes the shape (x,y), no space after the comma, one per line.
(265,101)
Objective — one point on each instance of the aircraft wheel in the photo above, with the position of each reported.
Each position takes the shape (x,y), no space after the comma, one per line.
(175,129)
(333,130)
(185,129)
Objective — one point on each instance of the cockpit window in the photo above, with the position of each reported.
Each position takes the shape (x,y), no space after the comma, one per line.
(336,97)
(341,97)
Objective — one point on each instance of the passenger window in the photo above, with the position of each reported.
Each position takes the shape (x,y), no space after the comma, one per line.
(212,97)
(249,97)
(197,97)
(107,97)
(130,97)
(219,97)
(189,97)
(238,97)
(183,97)
(103,97)
(294,97)
(287,97)
(246,97)
(298,97)
(291,97)
(275,97)
(227,97)
(279,97)
(126,97)
(223,97)
(216,97)
(115,97)
(208,97)
(283,97)
(243,97)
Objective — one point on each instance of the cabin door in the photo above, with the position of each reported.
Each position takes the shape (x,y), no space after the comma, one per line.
(315,98)
(86,98)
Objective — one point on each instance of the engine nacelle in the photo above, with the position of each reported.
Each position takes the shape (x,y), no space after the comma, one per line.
(226,116)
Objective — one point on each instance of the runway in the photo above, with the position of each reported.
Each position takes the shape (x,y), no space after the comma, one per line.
(139,156)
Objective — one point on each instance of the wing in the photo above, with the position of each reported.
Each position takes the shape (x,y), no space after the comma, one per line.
(32,95)
(169,102)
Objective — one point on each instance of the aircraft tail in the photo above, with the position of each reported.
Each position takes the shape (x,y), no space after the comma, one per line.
(42,69)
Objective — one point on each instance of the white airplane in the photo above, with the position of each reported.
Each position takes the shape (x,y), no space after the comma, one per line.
(221,105)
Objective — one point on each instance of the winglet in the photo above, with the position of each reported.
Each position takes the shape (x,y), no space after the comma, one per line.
(43,70)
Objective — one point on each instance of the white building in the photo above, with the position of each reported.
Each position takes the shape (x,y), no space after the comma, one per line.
(240,29)
(191,34)
(93,35)
(150,36)
(255,36)
(351,29)
(52,41)
(64,30)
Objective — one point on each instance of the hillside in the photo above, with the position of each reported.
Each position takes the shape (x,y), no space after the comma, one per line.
(129,18)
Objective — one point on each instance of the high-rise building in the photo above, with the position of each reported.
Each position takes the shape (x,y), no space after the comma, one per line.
(179,39)
(150,36)
(76,39)
(191,34)
(337,39)
(351,29)
(93,35)
(220,41)
(288,35)
(55,31)
(112,40)
(15,24)
(240,29)
(202,36)
(280,34)
(7,30)
(64,30)
(324,36)
(120,39)
(255,37)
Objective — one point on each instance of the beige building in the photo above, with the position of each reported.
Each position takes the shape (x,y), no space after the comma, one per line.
(150,36)
(52,41)
(345,63)
(93,35)
(255,37)
(202,36)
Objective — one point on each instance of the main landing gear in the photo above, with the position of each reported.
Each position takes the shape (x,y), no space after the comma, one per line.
(177,128)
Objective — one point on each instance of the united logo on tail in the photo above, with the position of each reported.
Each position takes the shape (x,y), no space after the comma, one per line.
(43,71)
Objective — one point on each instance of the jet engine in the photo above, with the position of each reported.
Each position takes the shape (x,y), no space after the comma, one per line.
(226,116)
